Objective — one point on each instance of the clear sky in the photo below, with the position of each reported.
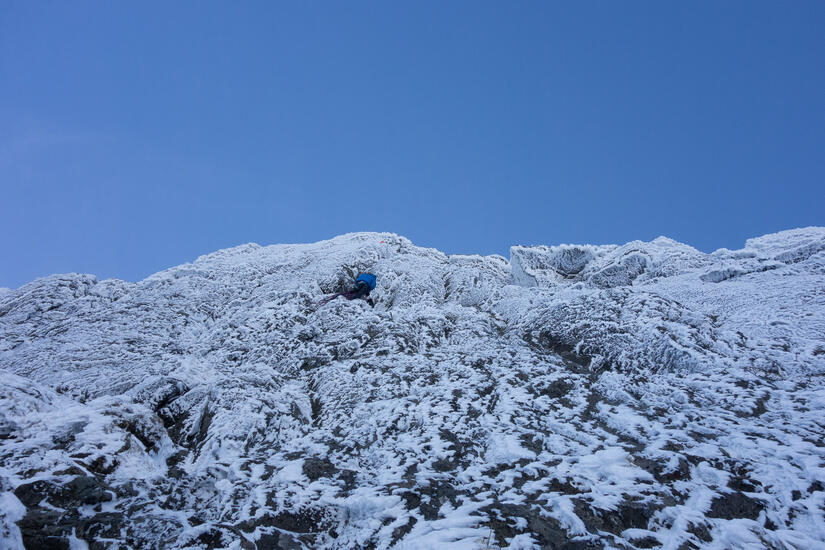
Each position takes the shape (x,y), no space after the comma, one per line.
(135,136)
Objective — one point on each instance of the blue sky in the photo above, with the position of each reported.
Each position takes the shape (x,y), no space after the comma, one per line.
(137,136)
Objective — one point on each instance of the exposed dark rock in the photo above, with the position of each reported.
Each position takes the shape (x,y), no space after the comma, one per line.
(316,468)
(647,542)
(462,452)
(735,505)
(546,530)
(564,349)
(87,490)
(628,515)
(701,531)
(400,532)
(47,528)
(661,470)
(31,494)
(434,496)
(742,483)
(77,492)
(557,388)
(45,542)
(532,442)
(40,521)
(306,520)
(209,540)
(759,407)
(348,477)
(411,500)
(277,541)
(559,486)
(141,431)
(106,525)
(314,362)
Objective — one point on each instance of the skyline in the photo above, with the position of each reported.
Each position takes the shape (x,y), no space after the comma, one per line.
(133,139)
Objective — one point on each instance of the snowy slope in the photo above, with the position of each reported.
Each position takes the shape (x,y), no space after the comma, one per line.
(637,396)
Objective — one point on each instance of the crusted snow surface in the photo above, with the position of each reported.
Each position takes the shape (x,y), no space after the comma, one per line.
(637,396)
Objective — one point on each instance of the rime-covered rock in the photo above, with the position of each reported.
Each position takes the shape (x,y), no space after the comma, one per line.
(575,396)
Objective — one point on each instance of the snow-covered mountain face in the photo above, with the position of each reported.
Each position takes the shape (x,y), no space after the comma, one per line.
(639,396)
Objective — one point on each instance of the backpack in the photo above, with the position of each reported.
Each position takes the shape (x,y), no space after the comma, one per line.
(368,278)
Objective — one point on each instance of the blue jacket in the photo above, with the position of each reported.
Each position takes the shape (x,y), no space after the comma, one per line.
(368,278)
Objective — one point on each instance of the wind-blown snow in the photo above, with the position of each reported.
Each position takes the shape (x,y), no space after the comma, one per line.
(637,396)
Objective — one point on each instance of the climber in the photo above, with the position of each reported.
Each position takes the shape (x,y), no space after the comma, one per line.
(364,284)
